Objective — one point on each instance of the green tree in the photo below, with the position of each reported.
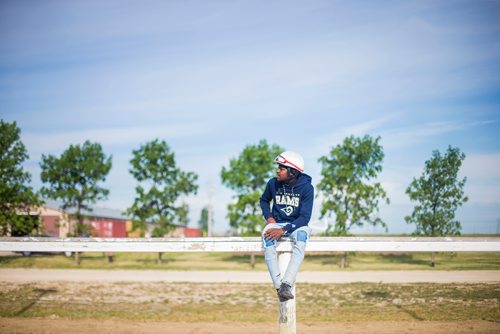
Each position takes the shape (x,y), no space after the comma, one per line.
(247,175)
(16,196)
(439,193)
(347,185)
(203,221)
(74,178)
(161,183)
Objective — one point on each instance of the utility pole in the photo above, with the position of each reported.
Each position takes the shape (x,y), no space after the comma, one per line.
(209,222)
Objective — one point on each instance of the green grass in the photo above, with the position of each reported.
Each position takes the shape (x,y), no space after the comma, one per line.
(229,261)
(251,302)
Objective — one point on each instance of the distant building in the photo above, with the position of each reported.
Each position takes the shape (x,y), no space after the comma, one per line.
(103,222)
(184,232)
(54,222)
(105,227)
(131,232)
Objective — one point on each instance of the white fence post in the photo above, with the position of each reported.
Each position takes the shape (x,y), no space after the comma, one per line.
(287,316)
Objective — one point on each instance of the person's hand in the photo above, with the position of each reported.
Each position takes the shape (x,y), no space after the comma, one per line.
(273,233)
(271,220)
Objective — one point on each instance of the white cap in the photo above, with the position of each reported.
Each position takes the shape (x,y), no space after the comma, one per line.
(291,159)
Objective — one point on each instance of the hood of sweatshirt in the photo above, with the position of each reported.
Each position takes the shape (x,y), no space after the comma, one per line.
(302,180)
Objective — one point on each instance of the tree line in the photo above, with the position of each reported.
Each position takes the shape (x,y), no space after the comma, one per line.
(349,191)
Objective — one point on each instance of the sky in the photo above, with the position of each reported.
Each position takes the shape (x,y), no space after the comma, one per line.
(211,77)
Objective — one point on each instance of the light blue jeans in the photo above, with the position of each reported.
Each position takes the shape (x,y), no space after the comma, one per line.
(299,238)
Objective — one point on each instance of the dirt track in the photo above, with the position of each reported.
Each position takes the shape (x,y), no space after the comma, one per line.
(57,326)
(415,276)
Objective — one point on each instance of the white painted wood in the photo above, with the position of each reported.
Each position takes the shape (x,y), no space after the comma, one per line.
(287,314)
(249,245)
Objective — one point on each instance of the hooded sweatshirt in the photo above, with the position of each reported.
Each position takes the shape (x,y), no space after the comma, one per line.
(291,204)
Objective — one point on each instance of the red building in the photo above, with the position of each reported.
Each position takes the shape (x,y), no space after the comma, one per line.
(103,222)
(190,232)
(108,227)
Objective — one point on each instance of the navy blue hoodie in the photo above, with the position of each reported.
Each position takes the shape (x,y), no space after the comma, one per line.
(291,205)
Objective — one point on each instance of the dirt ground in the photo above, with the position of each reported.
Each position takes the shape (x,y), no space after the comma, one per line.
(58,307)
(217,276)
(56,326)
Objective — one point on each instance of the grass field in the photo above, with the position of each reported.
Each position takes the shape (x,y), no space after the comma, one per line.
(228,261)
(178,302)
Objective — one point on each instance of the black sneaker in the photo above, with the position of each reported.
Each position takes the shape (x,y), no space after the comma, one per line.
(279,297)
(285,292)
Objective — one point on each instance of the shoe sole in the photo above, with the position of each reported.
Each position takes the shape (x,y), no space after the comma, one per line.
(284,298)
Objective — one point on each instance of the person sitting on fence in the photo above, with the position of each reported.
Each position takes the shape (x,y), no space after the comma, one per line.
(292,196)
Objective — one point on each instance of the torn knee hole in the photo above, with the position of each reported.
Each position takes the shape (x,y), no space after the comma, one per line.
(269,243)
(301,236)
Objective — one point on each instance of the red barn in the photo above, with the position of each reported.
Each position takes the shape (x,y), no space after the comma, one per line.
(103,222)
(108,228)
(190,232)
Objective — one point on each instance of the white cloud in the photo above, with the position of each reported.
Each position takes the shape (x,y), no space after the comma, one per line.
(403,137)
(324,143)
(409,136)
(482,167)
(483,178)
(39,143)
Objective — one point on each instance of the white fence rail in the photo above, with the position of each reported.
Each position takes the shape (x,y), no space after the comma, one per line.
(251,245)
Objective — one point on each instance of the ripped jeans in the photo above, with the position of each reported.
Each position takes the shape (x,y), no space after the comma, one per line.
(299,238)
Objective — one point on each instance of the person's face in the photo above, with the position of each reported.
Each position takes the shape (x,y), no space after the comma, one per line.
(281,173)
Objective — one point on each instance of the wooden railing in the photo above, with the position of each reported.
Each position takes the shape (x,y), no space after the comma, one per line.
(249,244)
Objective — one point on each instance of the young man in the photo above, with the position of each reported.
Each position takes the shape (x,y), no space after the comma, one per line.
(292,195)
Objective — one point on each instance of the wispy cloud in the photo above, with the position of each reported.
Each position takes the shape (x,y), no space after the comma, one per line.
(329,140)
(483,177)
(401,137)
(409,136)
(394,137)
(118,137)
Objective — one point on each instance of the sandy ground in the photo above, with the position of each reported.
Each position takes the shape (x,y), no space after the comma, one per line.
(325,277)
(56,326)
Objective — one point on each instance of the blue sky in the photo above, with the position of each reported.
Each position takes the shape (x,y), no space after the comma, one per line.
(210,77)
